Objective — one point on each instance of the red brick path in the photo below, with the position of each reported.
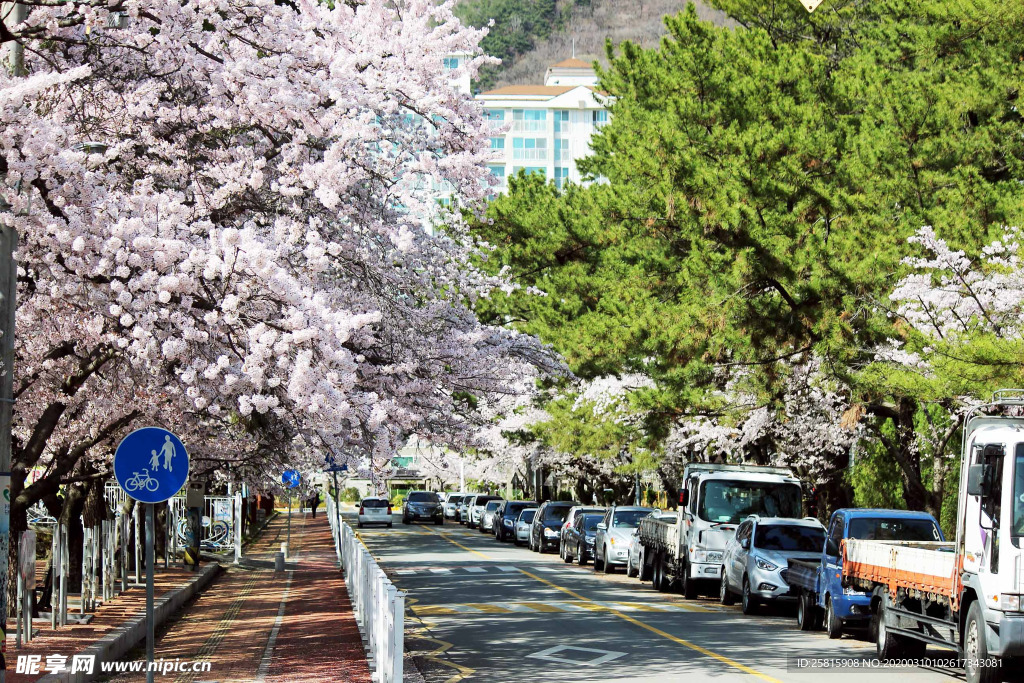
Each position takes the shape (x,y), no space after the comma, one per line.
(73,639)
(230,624)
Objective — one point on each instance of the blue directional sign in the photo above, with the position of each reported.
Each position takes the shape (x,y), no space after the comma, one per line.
(290,478)
(151,464)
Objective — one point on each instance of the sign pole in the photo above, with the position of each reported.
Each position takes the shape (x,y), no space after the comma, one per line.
(289,523)
(150,560)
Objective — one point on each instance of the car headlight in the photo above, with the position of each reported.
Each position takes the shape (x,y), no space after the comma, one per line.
(550,533)
(507,522)
(714,556)
(765,565)
(1009,603)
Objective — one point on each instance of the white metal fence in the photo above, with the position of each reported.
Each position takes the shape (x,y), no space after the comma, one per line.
(379,606)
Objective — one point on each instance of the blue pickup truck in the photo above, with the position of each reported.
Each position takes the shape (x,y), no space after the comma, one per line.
(817,584)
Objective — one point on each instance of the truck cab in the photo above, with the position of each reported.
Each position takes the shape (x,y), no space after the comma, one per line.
(990,536)
(714,499)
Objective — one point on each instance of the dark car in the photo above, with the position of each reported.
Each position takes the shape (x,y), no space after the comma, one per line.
(575,515)
(506,516)
(422,505)
(578,542)
(547,525)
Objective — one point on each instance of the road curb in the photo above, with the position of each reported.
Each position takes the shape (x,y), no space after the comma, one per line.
(115,644)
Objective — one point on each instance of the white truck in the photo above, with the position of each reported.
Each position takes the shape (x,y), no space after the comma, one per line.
(965,596)
(713,500)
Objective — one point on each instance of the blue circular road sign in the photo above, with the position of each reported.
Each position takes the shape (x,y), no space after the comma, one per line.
(290,478)
(151,464)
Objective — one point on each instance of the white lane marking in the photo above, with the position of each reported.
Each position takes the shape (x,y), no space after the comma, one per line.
(475,570)
(440,570)
(508,569)
(268,652)
(548,569)
(549,655)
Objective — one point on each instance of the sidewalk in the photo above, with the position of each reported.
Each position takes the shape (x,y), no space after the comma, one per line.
(75,638)
(252,624)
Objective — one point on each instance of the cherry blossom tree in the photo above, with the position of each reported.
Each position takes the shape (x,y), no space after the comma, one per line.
(241,219)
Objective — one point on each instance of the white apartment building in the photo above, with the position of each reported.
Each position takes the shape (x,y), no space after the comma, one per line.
(546,127)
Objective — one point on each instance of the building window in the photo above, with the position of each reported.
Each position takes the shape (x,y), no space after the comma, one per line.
(529,120)
(497,143)
(561,176)
(600,117)
(451,63)
(561,150)
(497,170)
(529,149)
(495,114)
(561,121)
(531,170)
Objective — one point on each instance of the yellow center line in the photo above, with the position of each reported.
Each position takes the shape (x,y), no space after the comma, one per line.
(445,537)
(636,622)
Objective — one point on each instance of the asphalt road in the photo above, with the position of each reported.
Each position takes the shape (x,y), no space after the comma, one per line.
(483,611)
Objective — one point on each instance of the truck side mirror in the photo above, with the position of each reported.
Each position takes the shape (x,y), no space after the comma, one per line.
(601,526)
(745,544)
(978,480)
(684,498)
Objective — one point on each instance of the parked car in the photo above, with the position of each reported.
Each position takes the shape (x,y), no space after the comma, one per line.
(547,525)
(523,525)
(575,514)
(506,516)
(487,517)
(451,504)
(462,509)
(374,510)
(578,544)
(476,509)
(756,561)
(422,505)
(612,540)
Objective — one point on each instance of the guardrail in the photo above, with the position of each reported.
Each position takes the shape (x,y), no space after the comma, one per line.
(378,605)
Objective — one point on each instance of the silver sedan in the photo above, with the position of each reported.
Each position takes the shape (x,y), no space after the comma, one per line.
(523,525)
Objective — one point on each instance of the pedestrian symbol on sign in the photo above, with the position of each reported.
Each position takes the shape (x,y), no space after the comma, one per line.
(151,465)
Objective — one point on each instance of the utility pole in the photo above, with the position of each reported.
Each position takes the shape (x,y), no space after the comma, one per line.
(15,14)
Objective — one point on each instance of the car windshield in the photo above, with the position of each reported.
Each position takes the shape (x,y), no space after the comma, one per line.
(556,513)
(628,519)
(590,522)
(527,515)
(422,497)
(493,505)
(893,529)
(728,502)
(789,537)
(374,503)
(454,500)
(513,509)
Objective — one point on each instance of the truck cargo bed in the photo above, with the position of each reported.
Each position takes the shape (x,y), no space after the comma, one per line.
(925,566)
(804,574)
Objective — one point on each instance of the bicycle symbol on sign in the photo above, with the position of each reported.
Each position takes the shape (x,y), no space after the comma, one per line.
(142,481)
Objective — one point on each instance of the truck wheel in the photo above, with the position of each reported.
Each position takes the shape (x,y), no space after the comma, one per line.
(887,645)
(833,624)
(749,601)
(805,609)
(687,585)
(725,595)
(645,567)
(977,662)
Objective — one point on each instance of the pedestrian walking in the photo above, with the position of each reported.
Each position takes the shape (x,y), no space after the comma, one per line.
(314,502)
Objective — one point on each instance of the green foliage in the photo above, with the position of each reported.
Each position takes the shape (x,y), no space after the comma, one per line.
(518,25)
(350,495)
(761,185)
(875,478)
